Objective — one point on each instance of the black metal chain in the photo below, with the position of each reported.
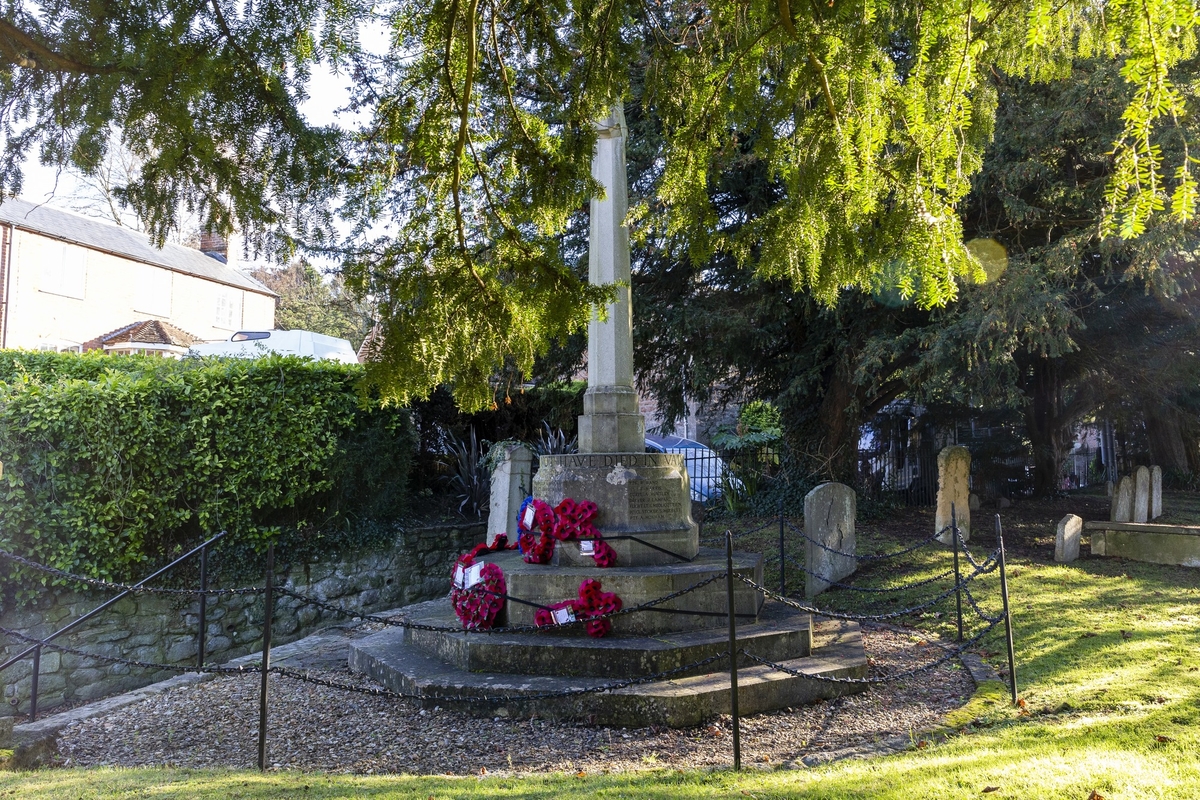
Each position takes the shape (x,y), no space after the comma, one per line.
(123,587)
(868,589)
(865,617)
(403,622)
(61,648)
(975,605)
(868,557)
(908,673)
(508,698)
(962,544)
(714,537)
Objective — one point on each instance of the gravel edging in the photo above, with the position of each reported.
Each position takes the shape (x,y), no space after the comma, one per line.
(213,723)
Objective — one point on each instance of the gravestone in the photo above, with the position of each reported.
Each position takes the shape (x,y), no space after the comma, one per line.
(1141,495)
(1066,538)
(954,473)
(829,512)
(511,484)
(1108,488)
(1122,505)
(1155,492)
(973,502)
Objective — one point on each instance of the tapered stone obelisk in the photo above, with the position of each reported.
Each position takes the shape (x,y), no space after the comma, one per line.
(611,421)
(643,498)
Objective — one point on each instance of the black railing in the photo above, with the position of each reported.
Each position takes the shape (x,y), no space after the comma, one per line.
(35,650)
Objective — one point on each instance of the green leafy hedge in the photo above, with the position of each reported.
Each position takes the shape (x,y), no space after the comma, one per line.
(114,464)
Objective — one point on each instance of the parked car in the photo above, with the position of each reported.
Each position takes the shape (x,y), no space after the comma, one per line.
(705,468)
(250,344)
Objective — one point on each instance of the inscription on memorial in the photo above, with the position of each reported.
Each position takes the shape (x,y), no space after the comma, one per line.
(606,461)
(654,501)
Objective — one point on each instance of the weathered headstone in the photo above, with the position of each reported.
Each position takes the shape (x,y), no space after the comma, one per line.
(954,473)
(973,502)
(512,481)
(829,512)
(1003,502)
(1108,488)
(1141,495)
(1155,492)
(1066,538)
(1122,505)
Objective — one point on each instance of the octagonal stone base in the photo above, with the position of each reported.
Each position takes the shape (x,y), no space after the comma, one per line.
(645,508)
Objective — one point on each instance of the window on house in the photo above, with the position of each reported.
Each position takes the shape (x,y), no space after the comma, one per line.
(154,292)
(64,269)
(229,309)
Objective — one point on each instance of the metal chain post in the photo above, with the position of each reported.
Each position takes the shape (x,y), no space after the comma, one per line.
(200,643)
(957,571)
(782,556)
(33,685)
(268,601)
(733,654)
(1012,661)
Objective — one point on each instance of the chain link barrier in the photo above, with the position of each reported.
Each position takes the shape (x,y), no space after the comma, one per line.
(256,669)
(401,622)
(129,662)
(962,546)
(982,570)
(867,557)
(97,583)
(890,678)
(869,589)
(502,698)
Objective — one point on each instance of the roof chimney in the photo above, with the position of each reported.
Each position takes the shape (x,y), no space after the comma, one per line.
(215,245)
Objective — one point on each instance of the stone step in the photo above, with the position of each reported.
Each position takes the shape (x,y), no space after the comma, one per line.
(546,584)
(779,634)
(679,702)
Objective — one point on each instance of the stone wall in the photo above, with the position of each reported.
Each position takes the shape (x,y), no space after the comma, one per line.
(163,629)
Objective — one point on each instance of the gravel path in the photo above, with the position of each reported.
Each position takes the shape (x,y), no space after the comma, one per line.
(314,728)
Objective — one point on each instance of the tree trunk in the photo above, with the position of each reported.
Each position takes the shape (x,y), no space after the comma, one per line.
(1048,427)
(1164,429)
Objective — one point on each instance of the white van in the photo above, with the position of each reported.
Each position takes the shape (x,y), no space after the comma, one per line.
(250,344)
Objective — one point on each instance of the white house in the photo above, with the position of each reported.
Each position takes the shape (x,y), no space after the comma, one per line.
(67,280)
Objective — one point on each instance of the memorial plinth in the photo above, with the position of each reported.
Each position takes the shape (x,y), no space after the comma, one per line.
(645,509)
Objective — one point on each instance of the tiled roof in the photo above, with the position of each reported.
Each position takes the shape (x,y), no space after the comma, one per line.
(71,227)
(150,331)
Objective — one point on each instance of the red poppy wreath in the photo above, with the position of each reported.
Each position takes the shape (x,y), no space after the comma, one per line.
(477,589)
(591,604)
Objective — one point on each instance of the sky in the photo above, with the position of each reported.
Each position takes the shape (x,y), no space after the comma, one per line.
(49,185)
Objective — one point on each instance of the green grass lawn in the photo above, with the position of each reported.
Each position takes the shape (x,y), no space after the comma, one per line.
(1108,664)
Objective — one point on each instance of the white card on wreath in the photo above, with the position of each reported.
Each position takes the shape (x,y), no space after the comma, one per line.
(563,615)
(587,547)
(473,575)
(529,516)
(458,576)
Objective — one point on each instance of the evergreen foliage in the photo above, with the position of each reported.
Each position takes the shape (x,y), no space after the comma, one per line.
(112,472)
(869,120)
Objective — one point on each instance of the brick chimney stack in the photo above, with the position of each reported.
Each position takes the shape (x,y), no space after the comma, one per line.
(211,243)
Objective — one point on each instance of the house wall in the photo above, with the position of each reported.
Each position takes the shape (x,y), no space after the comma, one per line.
(66,293)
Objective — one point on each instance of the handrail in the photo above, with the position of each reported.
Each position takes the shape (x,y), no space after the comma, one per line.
(35,650)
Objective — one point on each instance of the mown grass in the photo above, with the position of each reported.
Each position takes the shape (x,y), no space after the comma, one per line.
(1108,666)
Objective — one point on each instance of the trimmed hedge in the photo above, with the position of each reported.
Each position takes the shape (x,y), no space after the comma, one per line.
(115,464)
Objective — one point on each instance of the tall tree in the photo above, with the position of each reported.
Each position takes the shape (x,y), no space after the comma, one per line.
(1070,320)
(870,116)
